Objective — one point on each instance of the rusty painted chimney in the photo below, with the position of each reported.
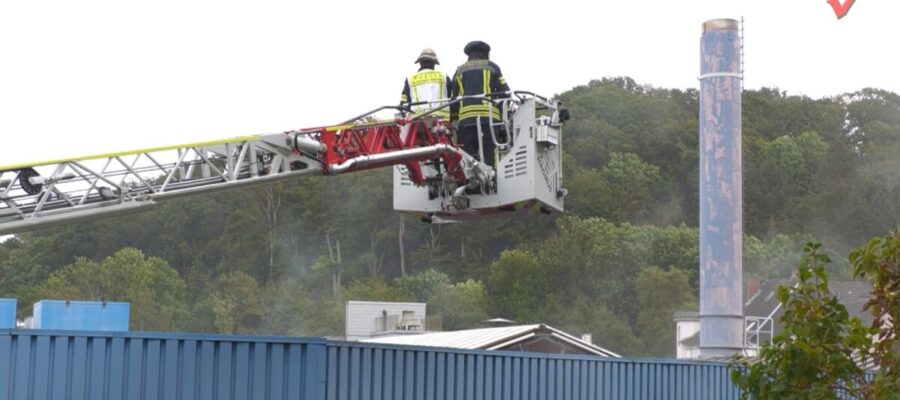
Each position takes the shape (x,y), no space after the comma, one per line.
(721,223)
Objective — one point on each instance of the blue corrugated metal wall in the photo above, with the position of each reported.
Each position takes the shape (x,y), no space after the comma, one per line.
(73,365)
(370,371)
(7,313)
(95,365)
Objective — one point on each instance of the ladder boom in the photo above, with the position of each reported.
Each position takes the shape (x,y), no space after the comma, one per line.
(61,191)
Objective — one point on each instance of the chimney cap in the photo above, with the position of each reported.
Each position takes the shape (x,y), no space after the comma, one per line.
(721,24)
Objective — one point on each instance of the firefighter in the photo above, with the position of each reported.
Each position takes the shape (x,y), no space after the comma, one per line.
(478,76)
(427,88)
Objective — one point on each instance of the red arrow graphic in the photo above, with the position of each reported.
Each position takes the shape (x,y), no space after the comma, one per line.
(840,9)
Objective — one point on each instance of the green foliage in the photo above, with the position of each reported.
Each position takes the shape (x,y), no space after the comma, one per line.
(813,356)
(588,200)
(423,285)
(879,261)
(291,308)
(375,290)
(155,291)
(585,315)
(286,309)
(631,182)
(873,119)
(461,306)
(777,257)
(235,304)
(514,284)
(660,293)
(620,191)
(585,277)
(791,164)
(656,126)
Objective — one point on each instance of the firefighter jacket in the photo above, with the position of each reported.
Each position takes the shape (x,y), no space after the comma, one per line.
(476,77)
(427,85)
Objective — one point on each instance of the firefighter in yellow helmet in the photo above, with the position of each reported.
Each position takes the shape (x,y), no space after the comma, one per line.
(427,88)
(478,76)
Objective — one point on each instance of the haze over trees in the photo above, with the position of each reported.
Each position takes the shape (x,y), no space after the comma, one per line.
(283,259)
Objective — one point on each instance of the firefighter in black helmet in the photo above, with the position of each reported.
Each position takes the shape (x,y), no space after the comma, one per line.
(477,76)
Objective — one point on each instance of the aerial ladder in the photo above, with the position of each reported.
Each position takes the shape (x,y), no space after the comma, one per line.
(433,178)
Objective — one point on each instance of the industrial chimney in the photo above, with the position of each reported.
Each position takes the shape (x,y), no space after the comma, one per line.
(721,224)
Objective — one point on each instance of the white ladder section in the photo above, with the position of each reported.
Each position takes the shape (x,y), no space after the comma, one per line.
(61,191)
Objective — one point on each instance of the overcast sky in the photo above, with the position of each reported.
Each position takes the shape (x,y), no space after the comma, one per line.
(82,77)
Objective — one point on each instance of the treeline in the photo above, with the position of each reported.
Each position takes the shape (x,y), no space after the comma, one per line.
(283,259)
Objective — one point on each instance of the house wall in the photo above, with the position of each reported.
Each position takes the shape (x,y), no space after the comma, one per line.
(361,316)
(685,329)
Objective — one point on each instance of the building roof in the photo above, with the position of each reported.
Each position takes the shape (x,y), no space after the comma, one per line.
(692,340)
(490,338)
(852,294)
(764,302)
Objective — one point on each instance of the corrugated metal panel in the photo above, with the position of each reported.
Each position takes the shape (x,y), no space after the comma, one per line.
(7,313)
(93,365)
(361,371)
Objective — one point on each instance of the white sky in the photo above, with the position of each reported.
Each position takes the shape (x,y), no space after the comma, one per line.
(82,77)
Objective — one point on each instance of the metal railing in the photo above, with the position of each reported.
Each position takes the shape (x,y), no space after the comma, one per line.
(758,331)
(399,323)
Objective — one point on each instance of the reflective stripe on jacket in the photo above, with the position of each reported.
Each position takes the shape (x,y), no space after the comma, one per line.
(427,85)
(476,77)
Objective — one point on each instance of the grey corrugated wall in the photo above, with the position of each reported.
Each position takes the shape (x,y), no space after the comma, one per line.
(133,365)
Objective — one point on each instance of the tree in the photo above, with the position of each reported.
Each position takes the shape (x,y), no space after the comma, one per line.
(424,285)
(4,253)
(821,351)
(432,254)
(461,306)
(879,261)
(872,121)
(374,290)
(777,257)
(631,183)
(515,286)
(590,198)
(781,181)
(287,309)
(660,293)
(266,203)
(235,304)
(586,315)
(155,291)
